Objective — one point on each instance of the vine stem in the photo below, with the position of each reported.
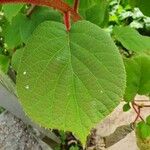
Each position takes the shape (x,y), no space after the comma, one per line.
(56,4)
(138,115)
(76,4)
(138,111)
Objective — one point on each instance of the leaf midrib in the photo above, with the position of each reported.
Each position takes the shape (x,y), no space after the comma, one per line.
(73,83)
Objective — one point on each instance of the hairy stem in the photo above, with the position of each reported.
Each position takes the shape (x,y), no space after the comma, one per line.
(56,4)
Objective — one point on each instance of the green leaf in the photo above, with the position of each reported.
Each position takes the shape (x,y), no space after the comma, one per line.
(126,107)
(143,5)
(11,10)
(70,81)
(95,11)
(4,63)
(22,26)
(16,59)
(148,120)
(131,39)
(133,3)
(39,15)
(143,136)
(12,32)
(143,130)
(42,14)
(97,14)
(74,148)
(138,76)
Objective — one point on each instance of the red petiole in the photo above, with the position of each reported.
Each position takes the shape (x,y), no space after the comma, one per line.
(137,109)
(67,20)
(76,4)
(56,4)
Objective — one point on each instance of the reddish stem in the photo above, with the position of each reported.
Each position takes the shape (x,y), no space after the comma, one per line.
(76,4)
(67,20)
(56,4)
(138,115)
(138,111)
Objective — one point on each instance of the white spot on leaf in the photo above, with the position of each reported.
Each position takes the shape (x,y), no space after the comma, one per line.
(24,73)
(27,87)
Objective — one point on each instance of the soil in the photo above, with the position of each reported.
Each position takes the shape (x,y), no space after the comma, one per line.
(14,135)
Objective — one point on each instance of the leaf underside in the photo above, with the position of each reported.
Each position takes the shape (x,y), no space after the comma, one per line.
(70,81)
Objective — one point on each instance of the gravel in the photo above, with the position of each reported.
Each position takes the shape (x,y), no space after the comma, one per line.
(14,134)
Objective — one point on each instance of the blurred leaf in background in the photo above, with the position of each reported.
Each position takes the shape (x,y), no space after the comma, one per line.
(11,10)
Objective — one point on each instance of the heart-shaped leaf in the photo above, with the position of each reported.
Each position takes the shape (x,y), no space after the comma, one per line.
(70,81)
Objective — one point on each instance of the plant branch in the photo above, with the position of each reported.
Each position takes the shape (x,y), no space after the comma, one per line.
(138,114)
(56,4)
(76,4)
(137,110)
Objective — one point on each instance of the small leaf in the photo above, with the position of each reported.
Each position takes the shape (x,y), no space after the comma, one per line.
(11,10)
(131,39)
(138,76)
(126,107)
(40,14)
(70,81)
(143,5)
(22,27)
(98,13)
(74,148)
(143,136)
(148,120)
(16,59)
(4,63)
(12,32)
(143,130)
